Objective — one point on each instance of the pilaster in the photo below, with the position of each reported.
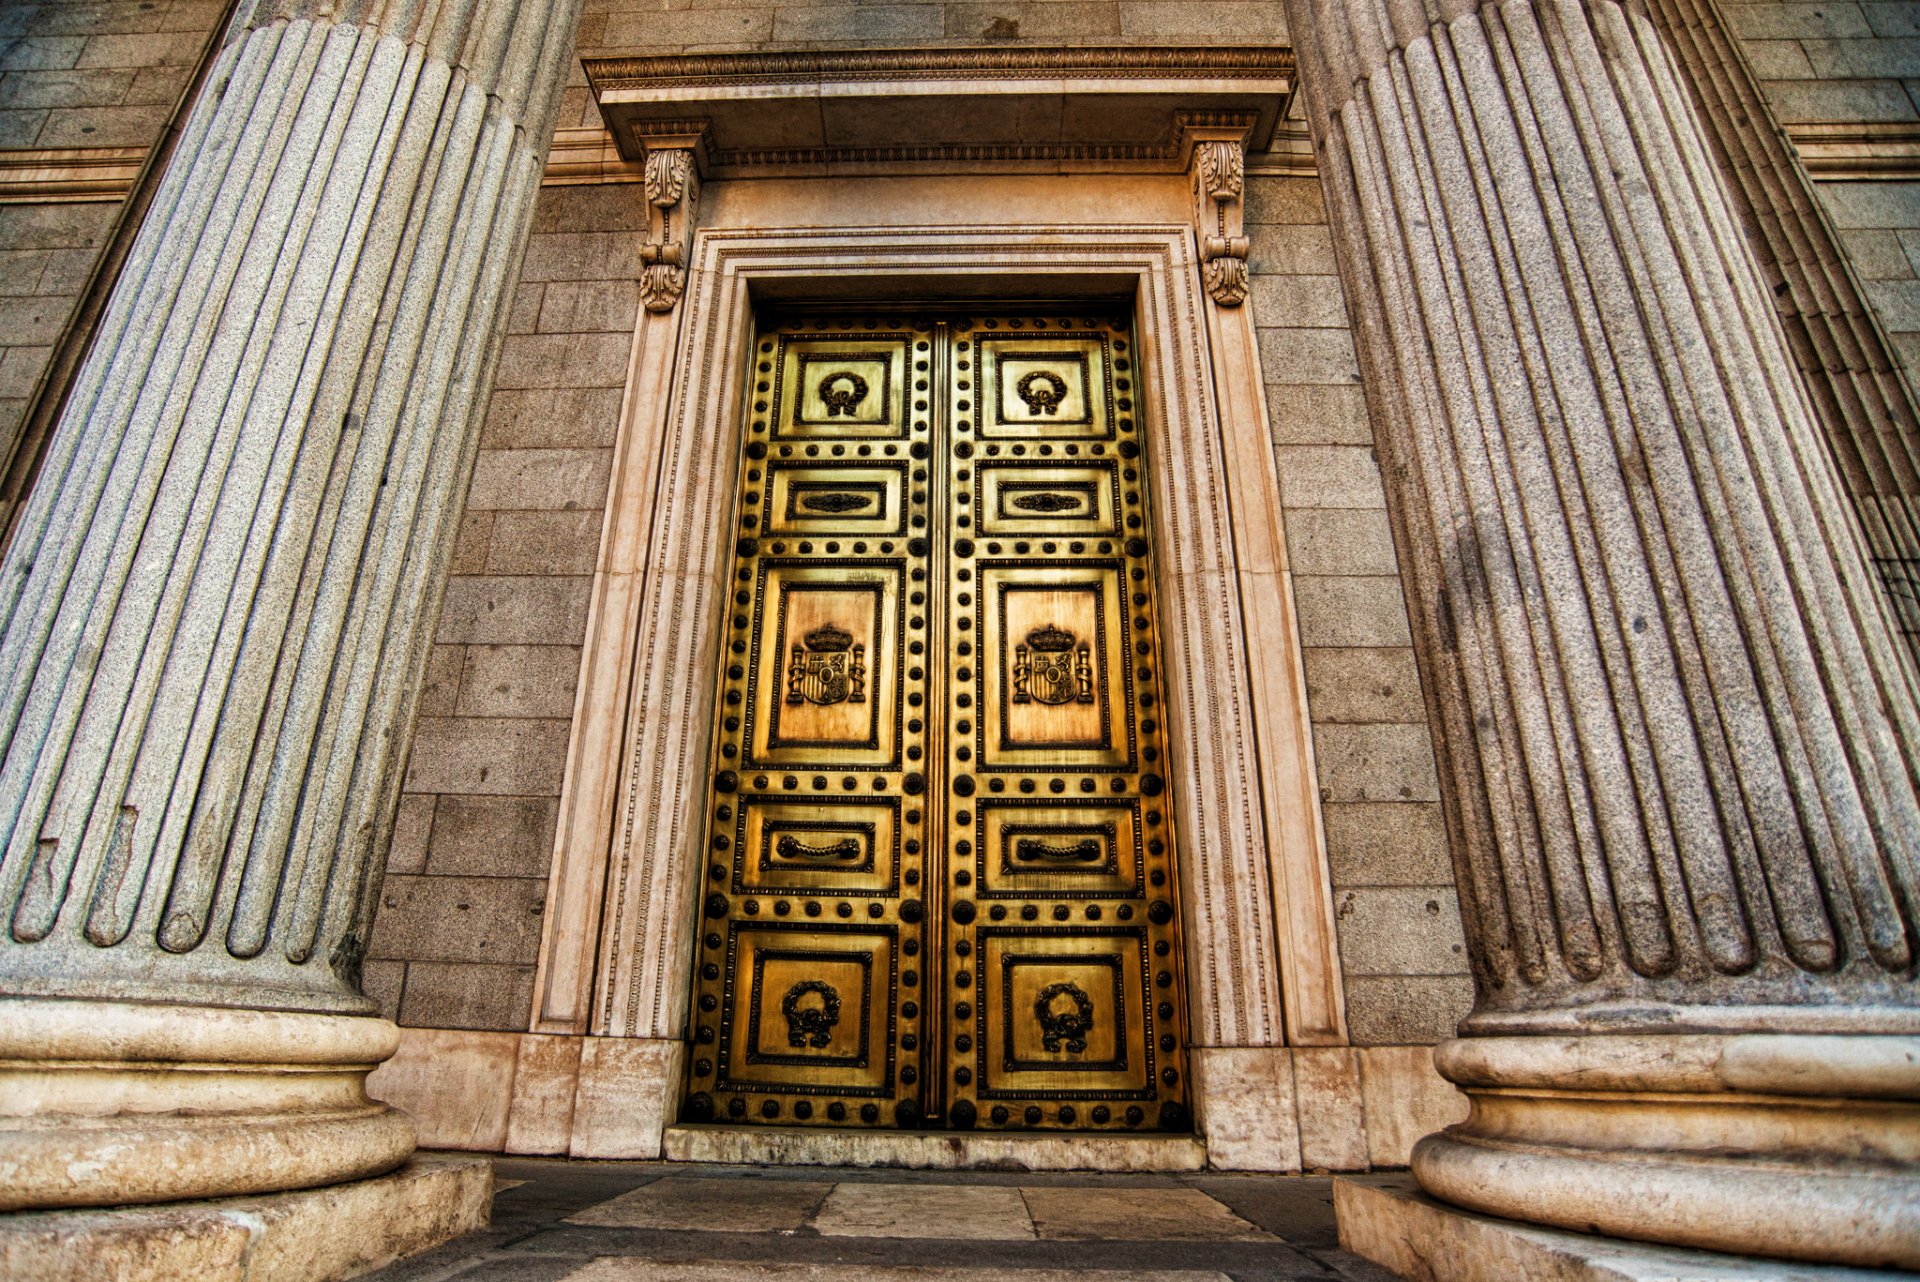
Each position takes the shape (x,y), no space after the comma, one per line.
(1677,732)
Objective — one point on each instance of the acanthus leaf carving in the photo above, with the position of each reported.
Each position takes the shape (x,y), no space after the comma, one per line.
(1219,189)
(671,182)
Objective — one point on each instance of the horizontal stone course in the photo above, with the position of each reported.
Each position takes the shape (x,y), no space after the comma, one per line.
(505,609)
(1350,610)
(1390,1010)
(1400,930)
(1363,685)
(537,480)
(519,681)
(1397,843)
(491,836)
(1375,762)
(465,994)
(1329,476)
(1337,541)
(459,919)
(565,542)
(493,755)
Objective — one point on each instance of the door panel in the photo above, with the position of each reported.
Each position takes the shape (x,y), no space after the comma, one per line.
(941,883)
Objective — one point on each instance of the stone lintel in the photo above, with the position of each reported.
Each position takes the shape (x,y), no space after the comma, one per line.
(1389,1221)
(315,1235)
(976,110)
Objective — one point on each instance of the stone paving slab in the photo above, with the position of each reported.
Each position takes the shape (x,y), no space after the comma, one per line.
(706,1205)
(954,1211)
(1090,1215)
(556,1221)
(657,1271)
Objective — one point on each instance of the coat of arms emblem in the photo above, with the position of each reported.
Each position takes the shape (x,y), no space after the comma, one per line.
(1053,666)
(829,668)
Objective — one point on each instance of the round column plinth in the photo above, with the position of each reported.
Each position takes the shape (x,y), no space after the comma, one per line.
(1802,1147)
(108,1103)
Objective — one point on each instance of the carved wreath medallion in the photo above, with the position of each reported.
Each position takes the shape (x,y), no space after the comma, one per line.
(1042,399)
(1065,1013)
(812,1009)
(841,391)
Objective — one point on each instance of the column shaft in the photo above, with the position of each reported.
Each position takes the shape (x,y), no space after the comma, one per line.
(1677,731)
(221,594)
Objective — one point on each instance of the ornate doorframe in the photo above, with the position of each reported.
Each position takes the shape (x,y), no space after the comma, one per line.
(616,949)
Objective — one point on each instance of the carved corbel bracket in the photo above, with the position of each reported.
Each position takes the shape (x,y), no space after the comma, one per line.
(672,187)
(1219,170)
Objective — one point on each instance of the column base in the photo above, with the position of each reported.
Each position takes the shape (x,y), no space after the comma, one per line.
(1798,1147)
(1386,1219)
(316,1235)
(112,1104)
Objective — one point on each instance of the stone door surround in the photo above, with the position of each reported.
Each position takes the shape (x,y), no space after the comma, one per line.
(1261,951)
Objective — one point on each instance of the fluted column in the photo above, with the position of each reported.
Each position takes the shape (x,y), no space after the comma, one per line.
(1678,739)
(220,598)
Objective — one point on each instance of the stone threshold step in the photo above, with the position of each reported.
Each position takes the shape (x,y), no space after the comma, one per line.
(933,1150)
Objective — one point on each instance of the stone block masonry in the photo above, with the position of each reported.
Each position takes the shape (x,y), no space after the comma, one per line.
(1403,961)
(455,943)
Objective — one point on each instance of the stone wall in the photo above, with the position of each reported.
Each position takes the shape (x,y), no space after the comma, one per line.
(459,925)
(616,28)
(46,254)
(1851,62)
(76,76)
(1401,949)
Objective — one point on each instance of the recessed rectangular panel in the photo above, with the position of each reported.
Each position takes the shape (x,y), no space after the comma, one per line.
(826,670)
(939,880)
(1054,386)
(1064,1013)
(842,385)
(822,846)
(807,499)
(811,1008)
(1055,678)
(1044,501)
(1028,848)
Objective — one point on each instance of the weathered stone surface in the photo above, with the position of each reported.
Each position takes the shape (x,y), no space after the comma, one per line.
(519,681)
(1364,685)
(498,756)
(566,542)
(492,836)
(1406,1010)
(1410,930)
(1387,844)
(286,1237)
(459,919)
(1660,858)
(1351,610)
(510,610)
(466,994)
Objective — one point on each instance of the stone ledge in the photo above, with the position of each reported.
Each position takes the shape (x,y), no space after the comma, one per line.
(936,1151)
(313,1235)
(1389,1221)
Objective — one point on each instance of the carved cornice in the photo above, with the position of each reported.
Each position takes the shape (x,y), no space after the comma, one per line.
(998,110)
(1182,61)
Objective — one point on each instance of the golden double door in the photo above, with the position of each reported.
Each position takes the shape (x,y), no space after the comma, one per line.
(940,879)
